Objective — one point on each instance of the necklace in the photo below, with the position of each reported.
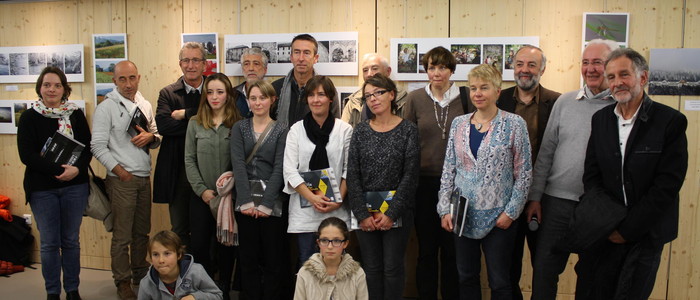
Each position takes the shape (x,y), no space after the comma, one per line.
(443,117)
(480,125)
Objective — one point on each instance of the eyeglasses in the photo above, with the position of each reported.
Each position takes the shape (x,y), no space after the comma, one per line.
(375,94)
(188,60)
(336,243)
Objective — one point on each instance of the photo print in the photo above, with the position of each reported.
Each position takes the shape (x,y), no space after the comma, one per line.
(104,70)
(493,55)
(210,43)
(421,68)
(323,56)
(110,46)
(19,64)
(466,54)
(674,71)
(343,51)
(56,60)
(510,55)
(19,108)
(101,90)
(233,54)
(5,114)
(4,64)
(607,26)
(73,63)
(37,63)
(23,64)
(284,52)
(408,58)
(267,48)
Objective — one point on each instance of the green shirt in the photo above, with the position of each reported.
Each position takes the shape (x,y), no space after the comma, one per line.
(207,155)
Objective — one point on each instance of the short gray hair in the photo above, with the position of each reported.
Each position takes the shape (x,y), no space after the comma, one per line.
(528,46)
(382,59)
(612,45)
(193,45)
(638,61)
(255,51)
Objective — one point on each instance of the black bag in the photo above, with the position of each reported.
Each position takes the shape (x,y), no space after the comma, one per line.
(17,241)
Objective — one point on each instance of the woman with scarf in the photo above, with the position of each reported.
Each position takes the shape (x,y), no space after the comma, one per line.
(207,157)
(319,141)
(257,151)
(56,192)
(384,157)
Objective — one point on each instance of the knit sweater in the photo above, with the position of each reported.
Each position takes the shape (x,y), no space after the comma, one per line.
(383,161)
(420,109)
(314,283)
(559,168)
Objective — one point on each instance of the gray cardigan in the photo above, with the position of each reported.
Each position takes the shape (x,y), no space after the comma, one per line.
(266,164)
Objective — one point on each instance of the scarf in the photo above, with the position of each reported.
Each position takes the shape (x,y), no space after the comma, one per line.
(226,226)
(62,113)
(285,97)
(319,136)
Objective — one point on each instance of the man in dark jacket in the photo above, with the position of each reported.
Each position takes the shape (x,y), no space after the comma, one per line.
(638,153)
(177,103)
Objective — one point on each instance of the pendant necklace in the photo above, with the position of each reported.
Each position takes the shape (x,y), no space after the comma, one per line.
(478,125)
(443,117)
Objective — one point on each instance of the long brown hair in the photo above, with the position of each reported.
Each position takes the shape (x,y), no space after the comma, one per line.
(231,113)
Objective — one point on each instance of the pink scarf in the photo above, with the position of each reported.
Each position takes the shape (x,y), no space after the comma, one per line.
(226,226)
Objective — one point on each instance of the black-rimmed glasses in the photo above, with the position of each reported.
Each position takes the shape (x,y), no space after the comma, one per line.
(335,243)
(376,94)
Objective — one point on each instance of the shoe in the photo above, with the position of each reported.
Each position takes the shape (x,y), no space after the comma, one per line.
(124,290)
(74,295)
(53,297)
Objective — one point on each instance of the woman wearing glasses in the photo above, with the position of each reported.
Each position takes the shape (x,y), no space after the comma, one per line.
(488,160)
(384,157)
(332,273)
(432,109)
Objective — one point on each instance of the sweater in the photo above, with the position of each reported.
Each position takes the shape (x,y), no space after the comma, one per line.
(313,283)
(207,155)
(32,132)
(297,153)
(420,109)
(111,144)
(560,162)
(192,280)
(383,161)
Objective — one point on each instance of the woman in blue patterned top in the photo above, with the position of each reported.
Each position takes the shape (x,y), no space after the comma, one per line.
(488,162)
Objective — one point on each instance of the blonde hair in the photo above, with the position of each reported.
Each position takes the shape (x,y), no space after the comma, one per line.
(488,73)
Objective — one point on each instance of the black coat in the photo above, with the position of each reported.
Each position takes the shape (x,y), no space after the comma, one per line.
(655,164)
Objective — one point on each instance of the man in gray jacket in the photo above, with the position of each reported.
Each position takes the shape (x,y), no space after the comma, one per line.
(128,162)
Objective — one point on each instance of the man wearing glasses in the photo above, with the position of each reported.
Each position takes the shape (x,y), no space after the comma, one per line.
(178,102)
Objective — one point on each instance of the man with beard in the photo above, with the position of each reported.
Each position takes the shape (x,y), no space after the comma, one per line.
(254,67)
(530,100)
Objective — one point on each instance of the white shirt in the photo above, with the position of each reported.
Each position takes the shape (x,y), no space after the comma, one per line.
(451,94)
(624,128)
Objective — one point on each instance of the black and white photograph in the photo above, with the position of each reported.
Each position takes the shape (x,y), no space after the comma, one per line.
(56,60)
(323,52)
(284,52)
(19,64)
(408,58)
(466,54)
(343,51)
(37,62)
(73,63)
(233,54)
(493,55)
(5,114)
(674,71)
(510,55)
(269,49)
(4,64)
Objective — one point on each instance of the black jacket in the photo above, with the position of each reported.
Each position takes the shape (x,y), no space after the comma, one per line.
(655,164)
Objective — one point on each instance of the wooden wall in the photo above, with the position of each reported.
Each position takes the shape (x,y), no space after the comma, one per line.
(153,29)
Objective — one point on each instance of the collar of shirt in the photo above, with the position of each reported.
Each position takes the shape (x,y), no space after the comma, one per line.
(586,93)
(535,98)
(191,89)
(451,94)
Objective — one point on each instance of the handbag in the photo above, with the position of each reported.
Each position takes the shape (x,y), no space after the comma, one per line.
(98,205)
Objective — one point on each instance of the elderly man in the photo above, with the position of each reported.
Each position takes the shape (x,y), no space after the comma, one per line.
(177,103)
(637,155)
(128,169)
(355,110)
(530,100)
(254,66)
(556,185)
(291,105)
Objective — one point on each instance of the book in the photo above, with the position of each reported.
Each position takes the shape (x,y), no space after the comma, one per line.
(62,149)
(257,193)
(458,210)
(138,118)
(377,202)
(321,182)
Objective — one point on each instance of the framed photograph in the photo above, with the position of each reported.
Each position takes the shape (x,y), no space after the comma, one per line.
(607,26)
(510,56)
(674,71)
(24,64)
(466,54)
(343,93)
(493,55)
(110,46)
(11,111)
(210,42)
(408,58)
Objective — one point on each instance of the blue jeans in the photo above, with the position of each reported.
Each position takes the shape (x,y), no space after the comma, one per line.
(306,244)
(383,255)
(58,214)
(498,250)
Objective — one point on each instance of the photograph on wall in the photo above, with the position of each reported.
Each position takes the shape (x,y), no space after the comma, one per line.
(421,68)
(510,56)
(19,108)
(210,42)
(469,52)
(343,93)
(674,71)
(607,26)
(11,111)
(5,114)
(466,54)
(493,55)
(24,64)
(408,58)
(104,70)
(101,90)
(109,46)
(337,52)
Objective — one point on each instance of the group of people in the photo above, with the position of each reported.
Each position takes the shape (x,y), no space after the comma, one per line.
(472,168)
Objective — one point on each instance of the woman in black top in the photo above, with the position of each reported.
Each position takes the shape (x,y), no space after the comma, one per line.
(56,192)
